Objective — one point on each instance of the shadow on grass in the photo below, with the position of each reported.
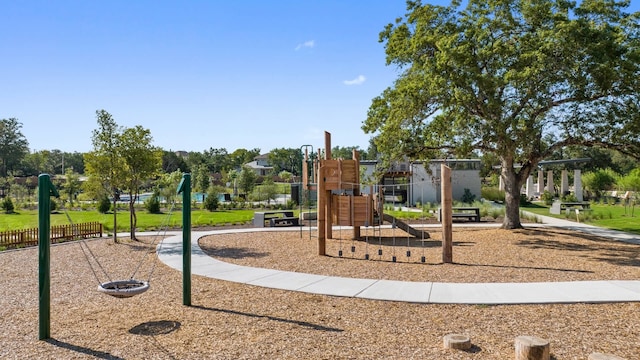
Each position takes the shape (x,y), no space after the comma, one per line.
(274,318)
(83,350)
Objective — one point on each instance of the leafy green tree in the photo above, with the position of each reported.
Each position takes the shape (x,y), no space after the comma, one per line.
(13,145)
(242,156)
(104,164)
(153,203)
(172,162)
(104,204)
(598,181)
(268,190)
(167,185)
(7,205)
(247,180)
(73,161)
(141,161)
(286,159)
(285,175)
(202,180)
(217,160)
(338,152)
(233,177)
(212,201)
(631,183)
(497,76)
(71,185)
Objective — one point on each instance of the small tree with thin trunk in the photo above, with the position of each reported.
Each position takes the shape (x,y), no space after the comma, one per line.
(104,164)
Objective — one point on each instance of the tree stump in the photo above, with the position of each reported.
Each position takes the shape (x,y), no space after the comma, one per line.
(457,341)
(601,356)
(532,348)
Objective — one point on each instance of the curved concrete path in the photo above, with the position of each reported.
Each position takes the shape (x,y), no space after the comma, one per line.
(170,252)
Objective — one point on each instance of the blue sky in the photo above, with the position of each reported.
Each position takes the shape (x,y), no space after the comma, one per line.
(197,74)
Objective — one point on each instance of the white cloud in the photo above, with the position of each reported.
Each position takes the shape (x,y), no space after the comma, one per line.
(357,81)
(306,44)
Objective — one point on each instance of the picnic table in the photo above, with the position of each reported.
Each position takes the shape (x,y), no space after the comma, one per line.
(275,218)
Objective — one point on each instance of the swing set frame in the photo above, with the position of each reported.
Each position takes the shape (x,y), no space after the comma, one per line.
(119,288)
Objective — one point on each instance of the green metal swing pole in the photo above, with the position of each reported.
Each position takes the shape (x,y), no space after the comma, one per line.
(45,191)
(185,189)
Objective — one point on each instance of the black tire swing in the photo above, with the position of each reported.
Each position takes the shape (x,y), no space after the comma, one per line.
(121,288)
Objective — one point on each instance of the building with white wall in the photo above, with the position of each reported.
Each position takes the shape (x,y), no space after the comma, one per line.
(413,182)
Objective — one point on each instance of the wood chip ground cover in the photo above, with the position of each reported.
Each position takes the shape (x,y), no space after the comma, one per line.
(235,321)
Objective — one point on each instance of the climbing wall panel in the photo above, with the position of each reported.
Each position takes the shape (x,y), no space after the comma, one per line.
(362,210)
(341,210)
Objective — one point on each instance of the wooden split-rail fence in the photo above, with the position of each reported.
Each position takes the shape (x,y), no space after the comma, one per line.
(59,233)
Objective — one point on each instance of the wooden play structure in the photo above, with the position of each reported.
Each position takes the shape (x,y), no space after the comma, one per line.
(339,198)
(340,202)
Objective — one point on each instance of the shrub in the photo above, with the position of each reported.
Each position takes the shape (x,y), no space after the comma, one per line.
(524,201)
(104,205)
(152,204)
(468,197)
(492,194)
(53,206)
(291,204)
(7,205)
(547,197)
(211,202)
(570,198)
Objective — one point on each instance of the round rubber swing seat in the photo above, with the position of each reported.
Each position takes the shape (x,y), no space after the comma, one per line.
(124,288)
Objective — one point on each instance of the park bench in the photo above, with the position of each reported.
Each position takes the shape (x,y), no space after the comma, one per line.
(275,218)
(469,213)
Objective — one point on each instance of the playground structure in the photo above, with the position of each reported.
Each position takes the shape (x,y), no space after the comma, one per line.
(340,201)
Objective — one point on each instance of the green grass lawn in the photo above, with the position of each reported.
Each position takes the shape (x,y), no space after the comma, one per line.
(614,217)
(26,219)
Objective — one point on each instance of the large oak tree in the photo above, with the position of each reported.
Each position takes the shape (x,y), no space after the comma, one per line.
(499,76)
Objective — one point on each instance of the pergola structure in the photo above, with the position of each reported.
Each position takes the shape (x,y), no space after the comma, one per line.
(535,189)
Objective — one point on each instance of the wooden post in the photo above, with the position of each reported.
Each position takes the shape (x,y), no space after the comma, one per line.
(321,212)
(532,348)
(327,193)
(446,213)
(356,191)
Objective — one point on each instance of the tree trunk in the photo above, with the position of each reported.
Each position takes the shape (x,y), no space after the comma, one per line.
(512,185)
(115,221)
(132,217)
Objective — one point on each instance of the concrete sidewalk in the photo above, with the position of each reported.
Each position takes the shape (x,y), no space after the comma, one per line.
(170,252)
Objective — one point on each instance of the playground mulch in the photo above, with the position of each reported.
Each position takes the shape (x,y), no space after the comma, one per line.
(236,321)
